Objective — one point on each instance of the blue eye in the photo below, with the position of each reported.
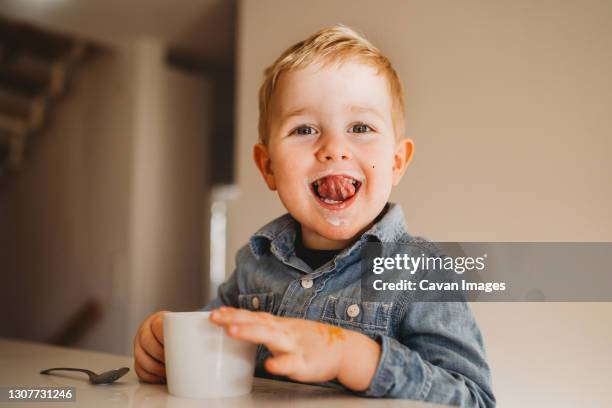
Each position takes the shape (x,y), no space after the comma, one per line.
(360,128)
(304,130)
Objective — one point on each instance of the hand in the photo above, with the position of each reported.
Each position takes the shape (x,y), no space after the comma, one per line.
(149,349)
(304,350)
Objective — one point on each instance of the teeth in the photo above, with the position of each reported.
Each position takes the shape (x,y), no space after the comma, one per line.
(349,179)
(328,201)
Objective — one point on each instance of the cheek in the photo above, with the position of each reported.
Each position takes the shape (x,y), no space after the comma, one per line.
(380,162)
(384,178)
(289,175)
(280,164)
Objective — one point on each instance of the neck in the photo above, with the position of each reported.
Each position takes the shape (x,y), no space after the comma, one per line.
(313,240)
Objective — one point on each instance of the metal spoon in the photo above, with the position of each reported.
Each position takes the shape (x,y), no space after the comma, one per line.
(106,377)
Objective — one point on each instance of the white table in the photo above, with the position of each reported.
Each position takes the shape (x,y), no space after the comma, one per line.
(21,362)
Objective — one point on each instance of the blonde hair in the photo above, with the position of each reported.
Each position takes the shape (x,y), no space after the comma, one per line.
(335,44)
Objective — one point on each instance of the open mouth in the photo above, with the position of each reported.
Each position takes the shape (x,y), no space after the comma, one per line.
(335,191)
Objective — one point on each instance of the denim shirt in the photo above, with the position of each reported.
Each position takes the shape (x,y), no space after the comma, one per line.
(431,351)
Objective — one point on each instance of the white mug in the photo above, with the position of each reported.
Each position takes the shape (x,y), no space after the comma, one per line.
(202,361)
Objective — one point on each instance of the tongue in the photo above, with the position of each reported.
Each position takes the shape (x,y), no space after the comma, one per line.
(336,188)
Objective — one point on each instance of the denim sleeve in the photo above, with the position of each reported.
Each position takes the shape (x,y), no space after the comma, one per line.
(227,292)
(439,358)
(213,304)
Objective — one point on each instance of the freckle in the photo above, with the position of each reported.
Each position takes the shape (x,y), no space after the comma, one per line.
(373,166)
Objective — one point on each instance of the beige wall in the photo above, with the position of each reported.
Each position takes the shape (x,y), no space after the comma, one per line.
(508,104)
(110,202)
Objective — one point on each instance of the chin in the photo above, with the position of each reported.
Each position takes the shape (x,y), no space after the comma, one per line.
(340,232)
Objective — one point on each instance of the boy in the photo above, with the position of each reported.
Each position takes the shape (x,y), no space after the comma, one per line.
(331,142)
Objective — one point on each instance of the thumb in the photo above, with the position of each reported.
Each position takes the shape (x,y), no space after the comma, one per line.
(283,364)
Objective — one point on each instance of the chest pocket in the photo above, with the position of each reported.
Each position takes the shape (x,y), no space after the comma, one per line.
(373,317)
(257,302)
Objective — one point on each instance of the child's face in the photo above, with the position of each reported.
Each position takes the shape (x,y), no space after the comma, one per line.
(332,153)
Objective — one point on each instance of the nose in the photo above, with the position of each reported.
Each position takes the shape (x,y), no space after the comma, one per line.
(333,148)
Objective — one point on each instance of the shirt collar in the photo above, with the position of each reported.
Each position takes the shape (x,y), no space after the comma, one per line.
(390,225)
(278,236)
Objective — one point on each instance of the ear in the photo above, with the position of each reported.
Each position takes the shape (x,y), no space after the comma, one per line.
(264,164)
(401,158)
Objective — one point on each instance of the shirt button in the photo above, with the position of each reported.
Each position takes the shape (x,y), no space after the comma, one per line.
(307,283)
(353,310)
(255,302)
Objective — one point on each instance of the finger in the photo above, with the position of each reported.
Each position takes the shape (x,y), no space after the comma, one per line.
(150,344)
(146,376)
(225,315)
(147,362)
(144,326)
(283,364)
(157,326)
(229,315)
(276,340)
